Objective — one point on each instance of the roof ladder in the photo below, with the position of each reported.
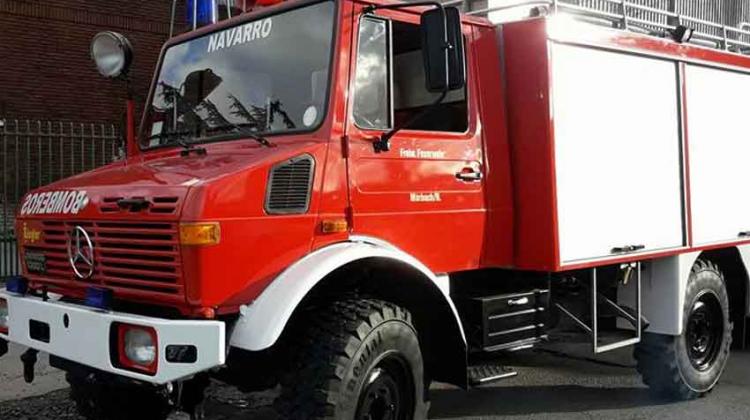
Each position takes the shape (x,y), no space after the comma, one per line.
(630,15)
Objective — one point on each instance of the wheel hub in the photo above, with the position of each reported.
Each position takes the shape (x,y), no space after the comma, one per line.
(705,330)
(385,394)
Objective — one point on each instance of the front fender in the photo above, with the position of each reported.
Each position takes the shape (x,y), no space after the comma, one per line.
(262,322)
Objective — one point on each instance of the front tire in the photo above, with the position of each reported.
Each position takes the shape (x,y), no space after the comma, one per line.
(689,366)
(355,359)
(99,399)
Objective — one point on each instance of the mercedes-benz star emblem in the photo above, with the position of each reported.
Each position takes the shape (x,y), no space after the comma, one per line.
(81,253)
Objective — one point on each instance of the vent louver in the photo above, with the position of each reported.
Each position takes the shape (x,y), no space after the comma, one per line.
(289,186)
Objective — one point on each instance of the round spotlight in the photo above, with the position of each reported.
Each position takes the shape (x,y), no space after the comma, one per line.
(112,54)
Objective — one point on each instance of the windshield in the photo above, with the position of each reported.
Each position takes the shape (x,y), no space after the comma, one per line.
(266,76)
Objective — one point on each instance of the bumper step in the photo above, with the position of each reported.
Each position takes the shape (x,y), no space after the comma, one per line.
(485,374)
(83,335)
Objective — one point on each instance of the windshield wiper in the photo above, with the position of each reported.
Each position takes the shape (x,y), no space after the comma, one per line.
(180,137)
(246,132)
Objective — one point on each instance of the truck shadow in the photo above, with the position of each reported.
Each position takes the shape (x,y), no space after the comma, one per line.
(528,400)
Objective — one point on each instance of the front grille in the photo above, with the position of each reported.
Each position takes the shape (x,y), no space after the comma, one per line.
(156,205)
(134,256)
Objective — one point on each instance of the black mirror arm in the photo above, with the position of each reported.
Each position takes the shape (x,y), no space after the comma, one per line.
(383,144)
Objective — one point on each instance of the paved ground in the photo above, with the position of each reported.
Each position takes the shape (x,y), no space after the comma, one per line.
(556,387)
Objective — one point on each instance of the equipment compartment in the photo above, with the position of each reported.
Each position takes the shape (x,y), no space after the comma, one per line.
(505,321)
(598,170)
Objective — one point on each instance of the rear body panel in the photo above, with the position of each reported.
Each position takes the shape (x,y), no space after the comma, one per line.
(602,157)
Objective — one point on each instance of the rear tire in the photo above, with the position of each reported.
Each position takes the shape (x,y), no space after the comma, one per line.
(355,359)
(689,366)
(98,399)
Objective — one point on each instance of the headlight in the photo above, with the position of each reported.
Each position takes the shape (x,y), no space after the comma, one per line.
(137,348)
(112,54)
(140,347)
(3,316)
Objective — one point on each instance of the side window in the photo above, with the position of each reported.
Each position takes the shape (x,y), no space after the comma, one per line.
(372,93)
(410,94)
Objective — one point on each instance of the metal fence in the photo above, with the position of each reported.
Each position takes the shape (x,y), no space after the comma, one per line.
(34,153)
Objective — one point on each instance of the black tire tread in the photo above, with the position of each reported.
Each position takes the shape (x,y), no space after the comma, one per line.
(96,399)
(656,358)
(322,349)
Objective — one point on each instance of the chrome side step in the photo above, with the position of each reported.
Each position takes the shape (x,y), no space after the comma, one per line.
(484,374)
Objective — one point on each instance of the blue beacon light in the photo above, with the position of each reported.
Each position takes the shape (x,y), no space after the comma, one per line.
(17,285)
(201,12)
(98,298)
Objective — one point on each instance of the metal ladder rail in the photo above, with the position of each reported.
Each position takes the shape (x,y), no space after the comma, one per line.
(626,21)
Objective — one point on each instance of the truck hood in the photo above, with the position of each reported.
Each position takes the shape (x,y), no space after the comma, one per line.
(154,188)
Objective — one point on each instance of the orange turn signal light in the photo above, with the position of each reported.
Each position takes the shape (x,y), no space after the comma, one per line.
(200,233)
(334,225)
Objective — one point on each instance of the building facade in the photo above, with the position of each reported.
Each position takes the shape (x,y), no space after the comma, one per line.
(47,72)
(58,116)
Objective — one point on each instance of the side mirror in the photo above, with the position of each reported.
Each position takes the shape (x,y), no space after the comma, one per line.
(445,65)
(112,53)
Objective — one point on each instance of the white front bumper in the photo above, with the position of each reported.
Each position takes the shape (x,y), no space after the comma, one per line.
(86,339)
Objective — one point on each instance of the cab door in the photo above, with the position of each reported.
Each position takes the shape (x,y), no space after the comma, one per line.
(424,195)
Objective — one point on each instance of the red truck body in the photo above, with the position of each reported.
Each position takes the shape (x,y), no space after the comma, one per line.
(507,221)
(490,217)
(230,189)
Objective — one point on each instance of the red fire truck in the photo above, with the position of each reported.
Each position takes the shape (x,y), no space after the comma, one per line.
(351,199)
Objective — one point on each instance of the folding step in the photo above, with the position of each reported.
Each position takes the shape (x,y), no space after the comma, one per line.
(485,374)
(633,316)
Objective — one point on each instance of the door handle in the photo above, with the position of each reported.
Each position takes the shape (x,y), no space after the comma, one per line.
(469,175)
(519,302)
(627,248)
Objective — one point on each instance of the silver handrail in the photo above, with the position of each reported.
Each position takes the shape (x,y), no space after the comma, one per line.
(625,15)
(521,3)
